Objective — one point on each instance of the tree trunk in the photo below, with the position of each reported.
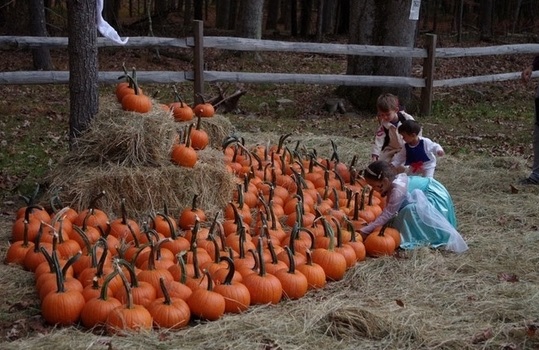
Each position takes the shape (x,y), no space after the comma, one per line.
(83,69)
(188,14)
(374,22)
(329,15)
(250,25)
(222,11)
(38,27)
(343,17)
(233,14)
(306,10)
(286,17)
(160,10)
(199,6)
(485,19)
(273,9)
(319,21)
(294,18)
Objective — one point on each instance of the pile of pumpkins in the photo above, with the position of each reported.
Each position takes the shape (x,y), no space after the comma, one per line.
(292,225)
(184,153)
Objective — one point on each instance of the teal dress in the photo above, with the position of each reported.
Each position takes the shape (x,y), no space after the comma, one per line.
(427,216)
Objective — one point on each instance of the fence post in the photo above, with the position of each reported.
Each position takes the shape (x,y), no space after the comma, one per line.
(198,30)
(428,75)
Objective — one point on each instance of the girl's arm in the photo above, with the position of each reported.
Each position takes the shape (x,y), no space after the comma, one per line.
(395,199)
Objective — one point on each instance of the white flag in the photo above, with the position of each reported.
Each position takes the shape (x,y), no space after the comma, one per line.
(106,29)
(414,10)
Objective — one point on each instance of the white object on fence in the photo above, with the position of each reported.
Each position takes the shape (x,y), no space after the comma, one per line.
(105,28)
(414,10)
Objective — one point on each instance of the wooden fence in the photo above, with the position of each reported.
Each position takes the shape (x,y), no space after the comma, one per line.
(199,76)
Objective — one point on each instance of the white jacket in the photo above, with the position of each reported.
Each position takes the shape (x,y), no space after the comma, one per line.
(395,139)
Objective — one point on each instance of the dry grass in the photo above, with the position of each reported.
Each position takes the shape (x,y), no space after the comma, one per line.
(486,298)
(127,155)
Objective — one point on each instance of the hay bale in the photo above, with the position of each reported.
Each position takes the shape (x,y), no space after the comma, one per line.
(127,155)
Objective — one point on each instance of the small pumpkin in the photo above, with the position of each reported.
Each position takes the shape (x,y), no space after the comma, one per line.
(379,244)
(136,102)
(181,111)
(183,154)
(169,312)
(206,303)
(199,137)
(204,109)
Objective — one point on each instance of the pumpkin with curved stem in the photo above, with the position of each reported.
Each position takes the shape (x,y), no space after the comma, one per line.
(293,281)
(183,154)
(333,263)
(356,242)
(94,290)
(169,312)
(206,303)
(264,287)
(199,137)
(163,222)
(315,274)
(379,244)
(64,306)
(188,216)
(34,256)
(181,111)
(237,296)
(96,310)
(46,271)
(143,292)
(128,317)
(123,227)
(346,250)
(18,249)
(204,109)
(152,274)
(274,264)
(125,87)
(36,211)
(96,218)
(28,225)
(136,102)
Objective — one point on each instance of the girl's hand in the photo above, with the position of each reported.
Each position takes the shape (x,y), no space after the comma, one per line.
(526,74)
(440,153)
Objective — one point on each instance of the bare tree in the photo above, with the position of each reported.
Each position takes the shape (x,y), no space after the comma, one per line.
(376,22)
(38,27)
(222,12)
(250,25)
(83,67)
(485,19)
(273,9)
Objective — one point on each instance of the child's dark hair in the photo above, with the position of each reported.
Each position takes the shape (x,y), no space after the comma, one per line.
(387,102)
(409,127)
(379,170)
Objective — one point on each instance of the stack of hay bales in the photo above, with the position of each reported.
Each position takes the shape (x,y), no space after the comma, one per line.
(127,155)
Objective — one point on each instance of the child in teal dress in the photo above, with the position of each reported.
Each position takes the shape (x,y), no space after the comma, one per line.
(420,207)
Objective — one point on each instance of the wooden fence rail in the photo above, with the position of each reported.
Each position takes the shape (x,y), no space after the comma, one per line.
(198,75)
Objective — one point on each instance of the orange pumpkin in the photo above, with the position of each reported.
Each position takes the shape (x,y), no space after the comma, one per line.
(204,110)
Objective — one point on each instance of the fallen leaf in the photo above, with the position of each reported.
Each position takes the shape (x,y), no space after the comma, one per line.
(482,336)
(514,190)
(399,302)
(508,277)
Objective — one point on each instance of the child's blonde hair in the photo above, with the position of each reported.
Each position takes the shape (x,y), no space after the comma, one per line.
(387,102)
